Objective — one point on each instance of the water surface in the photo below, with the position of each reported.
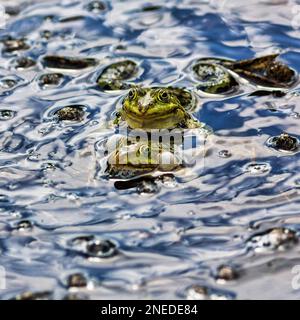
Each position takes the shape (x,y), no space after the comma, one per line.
(178,235)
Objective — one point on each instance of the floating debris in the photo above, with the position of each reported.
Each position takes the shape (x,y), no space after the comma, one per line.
(257,168)
(284,143)
(24,225)
(8,83)
(70,113)
(96,6)
(214,79)
(76,280)
(74,63)
(264,71)
(24,63)
(101,248)
(112,77)
(51,79)
(46,34)
(226,273)
(92,247)
(273,239)
(263,93)
(28,295)
(149,7)
(7,114)
(13,10)
(197,292)
(11,45)
(224,154)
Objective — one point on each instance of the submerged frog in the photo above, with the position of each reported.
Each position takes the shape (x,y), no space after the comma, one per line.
(157,108)
(133,158)
(113,77)
(213,78)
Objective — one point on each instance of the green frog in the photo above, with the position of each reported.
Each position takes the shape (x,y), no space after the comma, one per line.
(157,108)
(150,109)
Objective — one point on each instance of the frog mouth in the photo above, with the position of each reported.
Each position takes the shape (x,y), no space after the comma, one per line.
(165,121)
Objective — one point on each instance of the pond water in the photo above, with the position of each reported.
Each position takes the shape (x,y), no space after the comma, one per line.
(186,234)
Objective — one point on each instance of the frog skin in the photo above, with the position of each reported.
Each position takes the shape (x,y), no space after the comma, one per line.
(157,108)
(132,159)
(153,108)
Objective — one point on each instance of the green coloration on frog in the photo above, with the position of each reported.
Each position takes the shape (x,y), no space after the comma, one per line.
(214,78)
(132,158)
(114,75)
(157,108)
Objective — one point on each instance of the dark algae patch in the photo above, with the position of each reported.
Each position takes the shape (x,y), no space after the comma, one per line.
(114,76)
(265,71)
(70,113)
(75,63)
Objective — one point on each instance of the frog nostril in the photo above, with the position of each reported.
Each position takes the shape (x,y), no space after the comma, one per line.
(140,107)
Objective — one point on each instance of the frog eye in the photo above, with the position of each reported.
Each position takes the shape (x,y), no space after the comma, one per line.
(163,96)
(132,94)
